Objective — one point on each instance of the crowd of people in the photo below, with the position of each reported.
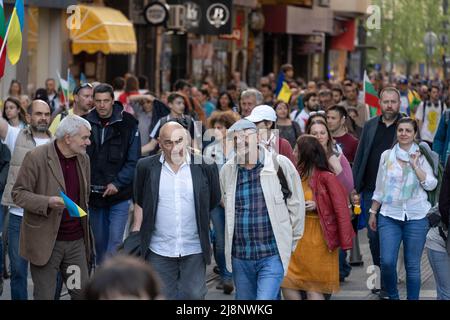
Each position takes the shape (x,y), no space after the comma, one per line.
(270,188)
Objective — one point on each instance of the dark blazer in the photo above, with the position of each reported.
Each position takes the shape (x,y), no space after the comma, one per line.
(444,196)
(363,151)
(205,178)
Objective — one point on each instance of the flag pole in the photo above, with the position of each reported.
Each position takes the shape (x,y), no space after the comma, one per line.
(7,33)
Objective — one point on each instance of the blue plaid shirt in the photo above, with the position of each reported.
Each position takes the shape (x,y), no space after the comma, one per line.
(253,235)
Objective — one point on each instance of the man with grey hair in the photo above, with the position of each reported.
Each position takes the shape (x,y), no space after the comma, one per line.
(264,214)
(51,238)
(19,142)
(250,98)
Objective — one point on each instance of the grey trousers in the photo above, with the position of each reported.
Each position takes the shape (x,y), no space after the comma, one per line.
(181,278)
(69,258)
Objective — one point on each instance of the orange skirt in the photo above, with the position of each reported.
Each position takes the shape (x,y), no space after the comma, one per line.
(312,266)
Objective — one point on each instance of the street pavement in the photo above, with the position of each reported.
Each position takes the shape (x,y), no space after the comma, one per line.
(354,288)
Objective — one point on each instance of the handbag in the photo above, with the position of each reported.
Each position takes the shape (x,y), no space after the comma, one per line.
(131,245)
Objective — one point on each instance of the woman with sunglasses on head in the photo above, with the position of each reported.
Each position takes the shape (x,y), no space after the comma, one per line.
(314,265)
(403,179)
(336,158)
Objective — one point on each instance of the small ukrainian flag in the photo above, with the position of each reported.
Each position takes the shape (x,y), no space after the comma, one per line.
(74,210)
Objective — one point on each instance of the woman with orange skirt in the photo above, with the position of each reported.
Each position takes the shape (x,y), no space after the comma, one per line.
(314,266)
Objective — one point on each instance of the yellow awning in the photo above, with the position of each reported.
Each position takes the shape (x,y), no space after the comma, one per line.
(103,29)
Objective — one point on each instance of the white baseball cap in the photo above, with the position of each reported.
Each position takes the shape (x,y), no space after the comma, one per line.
(261,113)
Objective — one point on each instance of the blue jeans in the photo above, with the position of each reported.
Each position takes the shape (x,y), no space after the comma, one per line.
(374,241)
(108,226)
(218,221)
(258,279)
(19,266)
(440,263)
(413,234)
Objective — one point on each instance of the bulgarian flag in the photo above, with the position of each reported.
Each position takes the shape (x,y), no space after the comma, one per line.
(63,90)
(2,39)
(371,97)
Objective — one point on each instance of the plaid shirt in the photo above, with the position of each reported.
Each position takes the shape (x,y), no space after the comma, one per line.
(253,235)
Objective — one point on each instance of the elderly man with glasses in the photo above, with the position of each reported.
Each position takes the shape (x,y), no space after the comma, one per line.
(264,214)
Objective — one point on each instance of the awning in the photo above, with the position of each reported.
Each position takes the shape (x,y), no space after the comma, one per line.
(103,29)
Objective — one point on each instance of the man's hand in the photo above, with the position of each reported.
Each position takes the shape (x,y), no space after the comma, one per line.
(110,190)
(56,203)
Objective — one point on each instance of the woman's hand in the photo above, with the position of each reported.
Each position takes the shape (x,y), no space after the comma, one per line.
(373,221)
(414,159)
(310,206)
(335,164)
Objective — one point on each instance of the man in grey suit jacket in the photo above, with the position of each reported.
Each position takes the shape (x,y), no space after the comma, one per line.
(176,192)
(378,135)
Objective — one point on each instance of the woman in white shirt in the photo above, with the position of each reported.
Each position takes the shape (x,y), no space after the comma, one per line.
(403,179)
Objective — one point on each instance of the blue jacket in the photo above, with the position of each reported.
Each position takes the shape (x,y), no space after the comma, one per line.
(442,138)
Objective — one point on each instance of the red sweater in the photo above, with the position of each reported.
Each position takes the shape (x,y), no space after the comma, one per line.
(70,228)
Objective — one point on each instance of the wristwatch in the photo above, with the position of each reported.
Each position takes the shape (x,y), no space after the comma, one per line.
(372,211)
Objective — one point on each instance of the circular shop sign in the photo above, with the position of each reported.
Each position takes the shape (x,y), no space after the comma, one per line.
(156,13)
(218,15)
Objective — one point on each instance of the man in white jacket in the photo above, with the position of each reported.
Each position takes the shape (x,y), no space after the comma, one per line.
(264,214)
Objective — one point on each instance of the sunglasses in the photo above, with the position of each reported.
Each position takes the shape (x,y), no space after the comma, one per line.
(315,113)
(80,87)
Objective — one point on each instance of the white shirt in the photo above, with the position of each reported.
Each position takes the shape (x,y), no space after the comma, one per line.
(176,233)
(301,119)
(10,141)
(417,206)
(431,120)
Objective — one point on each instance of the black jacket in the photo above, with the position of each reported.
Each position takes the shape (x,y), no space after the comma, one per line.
(205,178)
(363,151)
(444,196)
(5,158)
(114,152)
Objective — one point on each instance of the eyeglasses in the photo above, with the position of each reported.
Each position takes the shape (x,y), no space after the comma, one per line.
(315,113)
(82,86)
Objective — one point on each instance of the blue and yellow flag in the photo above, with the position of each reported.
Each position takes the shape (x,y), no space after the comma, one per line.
(14,40)
(283,92)
(74,210)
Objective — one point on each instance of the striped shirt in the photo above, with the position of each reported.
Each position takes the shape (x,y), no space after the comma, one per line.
(253,235)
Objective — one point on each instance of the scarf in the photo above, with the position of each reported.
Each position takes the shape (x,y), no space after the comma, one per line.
(409,181)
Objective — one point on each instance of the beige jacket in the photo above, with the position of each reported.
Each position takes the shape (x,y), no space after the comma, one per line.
(39,178)
(287,219)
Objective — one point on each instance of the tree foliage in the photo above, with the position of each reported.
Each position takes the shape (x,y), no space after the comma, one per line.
(404,24)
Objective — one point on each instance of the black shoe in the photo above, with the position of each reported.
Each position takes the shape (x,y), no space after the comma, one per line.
(1,286)
(375,291)
(216,270)
(383,295)
(228,287)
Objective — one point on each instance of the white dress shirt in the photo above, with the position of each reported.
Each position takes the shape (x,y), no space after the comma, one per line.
(417,206)
(176,233)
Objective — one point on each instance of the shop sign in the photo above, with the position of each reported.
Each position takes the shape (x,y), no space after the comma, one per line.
(206,17)
(156,13)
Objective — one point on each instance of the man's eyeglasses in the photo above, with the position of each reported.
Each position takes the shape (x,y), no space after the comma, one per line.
(82,86)
(315,113)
